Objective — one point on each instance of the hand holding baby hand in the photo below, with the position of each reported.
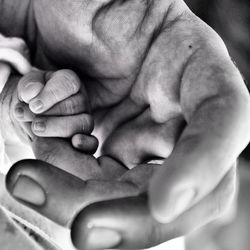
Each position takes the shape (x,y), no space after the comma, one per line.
(55,104)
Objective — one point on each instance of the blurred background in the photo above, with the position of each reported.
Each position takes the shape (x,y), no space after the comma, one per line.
(231,19)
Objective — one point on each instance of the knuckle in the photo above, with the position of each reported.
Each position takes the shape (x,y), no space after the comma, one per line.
(70,80)
(53,95)
(70,105)
(87,123)
(43,150)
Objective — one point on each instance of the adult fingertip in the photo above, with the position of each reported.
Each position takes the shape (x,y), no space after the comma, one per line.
(28,190)
(79,229)
(15,172)
(85,235)
(165,206)
(165,212)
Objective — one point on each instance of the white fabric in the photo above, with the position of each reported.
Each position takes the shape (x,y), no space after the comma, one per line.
(13,54)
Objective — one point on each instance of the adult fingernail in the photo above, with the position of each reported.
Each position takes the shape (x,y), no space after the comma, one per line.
(39,126)
(19,112)
(101,238)
(177,204)
(29,191)
(36,106)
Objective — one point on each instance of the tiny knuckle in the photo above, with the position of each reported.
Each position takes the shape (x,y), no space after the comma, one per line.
(83,123)
(87,123)
(71,80)
(75,85)
(53,93)
(43,151)
(62,107)
(70,106)
(82,102)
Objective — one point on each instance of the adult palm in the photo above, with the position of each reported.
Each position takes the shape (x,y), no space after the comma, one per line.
(162,86)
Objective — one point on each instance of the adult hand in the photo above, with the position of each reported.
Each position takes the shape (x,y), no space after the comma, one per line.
(120,223)
(147,64)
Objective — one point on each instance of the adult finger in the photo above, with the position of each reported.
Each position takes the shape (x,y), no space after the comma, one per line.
(216,106)
(30,85)
(128,224)
(57,194)
(59,86)
(62,126)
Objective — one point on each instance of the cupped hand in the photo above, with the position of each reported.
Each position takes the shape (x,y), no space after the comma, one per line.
(149,65)
(109,214)
(153,69)
(104,204)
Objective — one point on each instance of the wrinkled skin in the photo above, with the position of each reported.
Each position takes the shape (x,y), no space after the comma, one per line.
(126,82)
(137,59)
(155,75)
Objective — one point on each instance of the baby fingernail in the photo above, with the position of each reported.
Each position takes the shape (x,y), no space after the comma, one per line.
(19,112)
(39,126)
(28,190)
(36,106)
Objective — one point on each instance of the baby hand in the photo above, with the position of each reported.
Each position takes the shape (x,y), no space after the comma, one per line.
(55,104)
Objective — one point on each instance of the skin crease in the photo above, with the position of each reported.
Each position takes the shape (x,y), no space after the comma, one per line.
(142,97)
(128,82)
(113,61)
(119,70)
